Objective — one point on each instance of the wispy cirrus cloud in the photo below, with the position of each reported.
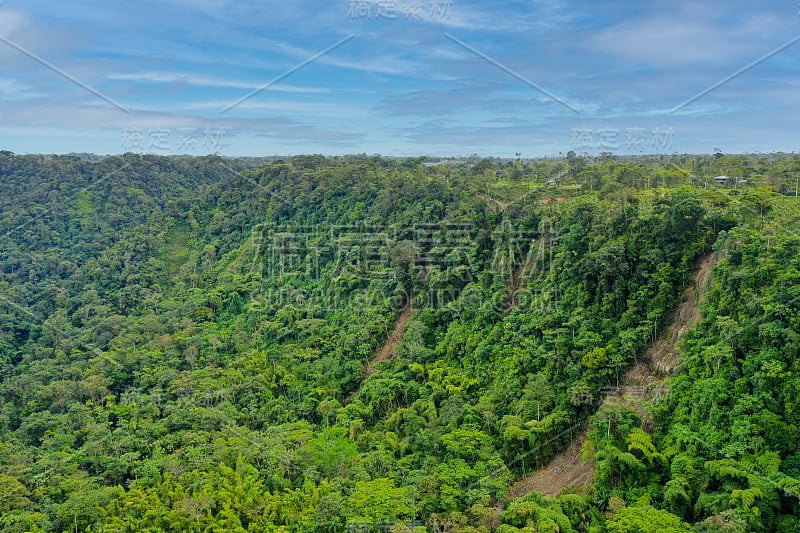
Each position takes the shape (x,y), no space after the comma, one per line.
(310,109)
(692,34)
(182,78)
(14,90)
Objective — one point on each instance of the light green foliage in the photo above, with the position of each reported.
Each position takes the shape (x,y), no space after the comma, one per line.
(13,494)
(646,520)
(595,359)
(378,501)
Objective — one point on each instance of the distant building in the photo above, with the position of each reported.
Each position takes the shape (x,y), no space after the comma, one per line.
(440,162)
(729,180)
(552,183)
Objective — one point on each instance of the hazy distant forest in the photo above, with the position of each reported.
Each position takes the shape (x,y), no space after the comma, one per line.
(361,343)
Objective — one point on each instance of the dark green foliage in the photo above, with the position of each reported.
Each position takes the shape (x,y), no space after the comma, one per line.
(185,344)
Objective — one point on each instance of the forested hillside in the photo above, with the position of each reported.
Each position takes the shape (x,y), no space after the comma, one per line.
(372,344)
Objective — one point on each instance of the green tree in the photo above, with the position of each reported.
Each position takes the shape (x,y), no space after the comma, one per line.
(377,501)
(646,520)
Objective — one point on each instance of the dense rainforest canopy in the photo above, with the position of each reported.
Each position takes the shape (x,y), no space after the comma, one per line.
(189,344)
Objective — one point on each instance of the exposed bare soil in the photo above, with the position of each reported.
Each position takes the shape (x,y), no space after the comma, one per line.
(642,384)
(394,339)
(387,350)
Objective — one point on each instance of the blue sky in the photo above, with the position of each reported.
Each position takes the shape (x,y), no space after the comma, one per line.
(399,77)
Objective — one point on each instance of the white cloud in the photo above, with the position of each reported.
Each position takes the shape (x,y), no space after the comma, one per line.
(690,36)
(11,89)
(204,81)
(11,21)
(381,64)
(316,109)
